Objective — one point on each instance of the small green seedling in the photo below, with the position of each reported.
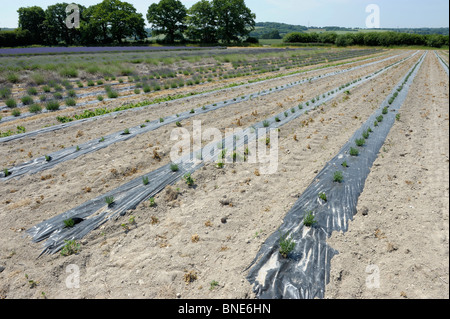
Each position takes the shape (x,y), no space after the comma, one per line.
(69,223)
(152,202)
(48,158)
(309,220)
(366,134)
(109,200)
(220,164)
(126,131)
(102,139)
(145,180)
(178,124)
(266,123)
(174,167)
(6,172)
(323,196)
(354,151)
(213,284)
(360,142)
(338,177)
(71,247)
(385,110)
(344,164)
(397,117)
(189,180)
(287,245)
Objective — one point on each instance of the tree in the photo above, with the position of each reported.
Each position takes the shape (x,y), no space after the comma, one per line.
(201,22)
(234,18)
(112,20)
(55,27)
(32,19)
(328,37)
(168,18)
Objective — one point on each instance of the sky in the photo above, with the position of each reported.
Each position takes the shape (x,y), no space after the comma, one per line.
(320,13)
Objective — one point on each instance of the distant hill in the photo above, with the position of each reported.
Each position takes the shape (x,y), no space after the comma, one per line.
(264,28)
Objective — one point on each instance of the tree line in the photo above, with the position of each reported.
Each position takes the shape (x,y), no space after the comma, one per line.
(116,22)
(385,39)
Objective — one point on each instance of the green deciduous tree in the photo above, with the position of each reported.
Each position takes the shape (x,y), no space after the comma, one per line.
(168,17)
(202,23)
(112,20)
(32,19)
(56,30)
(235,20)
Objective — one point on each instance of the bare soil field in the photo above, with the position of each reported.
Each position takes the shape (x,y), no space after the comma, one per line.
(198,242)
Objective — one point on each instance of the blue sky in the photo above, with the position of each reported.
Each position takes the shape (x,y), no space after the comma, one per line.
(345,13)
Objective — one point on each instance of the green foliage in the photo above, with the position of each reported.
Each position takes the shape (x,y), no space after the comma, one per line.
(71,247)
(366,134)
(360,142)
(6,172)
(32,91)
(174,167)
(168,18)
(35,108)
(5,92)
(52,105)
(69,223)
(213,284)
(354,151)
(71,102)
(323,196)
(27,100)
(240,20)
(201,22)
(12,77)
(309,220)
(109,200)
(15,112)
(11,103)
(189,180)
(112,94)
(145,180)
(287,245)
(338,177)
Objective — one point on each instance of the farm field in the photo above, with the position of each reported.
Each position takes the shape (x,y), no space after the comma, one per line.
(199,242)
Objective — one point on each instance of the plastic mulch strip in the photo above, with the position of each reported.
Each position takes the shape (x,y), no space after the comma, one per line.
(304,271)
(97,211)
(442,62)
